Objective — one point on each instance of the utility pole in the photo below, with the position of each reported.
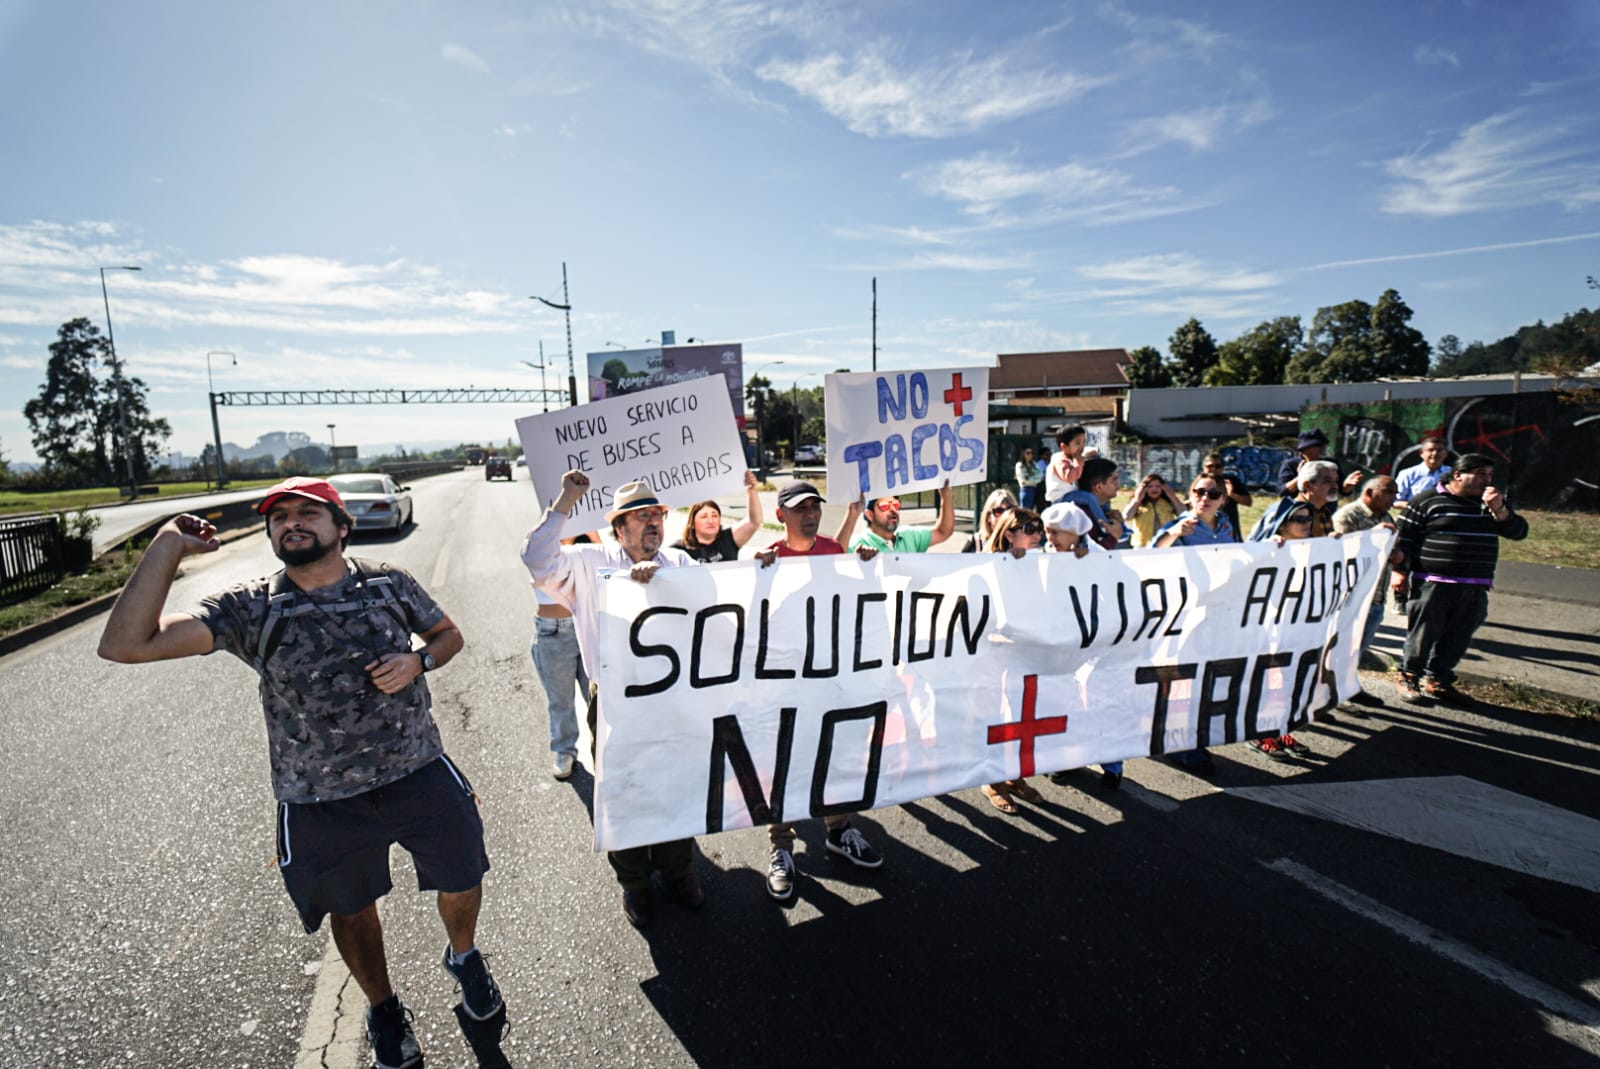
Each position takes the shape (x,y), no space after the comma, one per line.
(874,322)
(565,306)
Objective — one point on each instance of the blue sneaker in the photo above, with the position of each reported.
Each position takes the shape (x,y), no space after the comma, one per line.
(479,995)
(394,1045)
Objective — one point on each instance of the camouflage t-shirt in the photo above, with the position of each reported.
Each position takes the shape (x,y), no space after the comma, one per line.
(330,732)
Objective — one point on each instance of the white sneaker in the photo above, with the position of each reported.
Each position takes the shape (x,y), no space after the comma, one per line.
(780,874)
(563,766)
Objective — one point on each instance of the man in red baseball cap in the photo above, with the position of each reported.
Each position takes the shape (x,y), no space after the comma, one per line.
(356,757)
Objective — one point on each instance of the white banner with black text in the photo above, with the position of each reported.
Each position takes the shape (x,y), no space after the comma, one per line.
(733,695)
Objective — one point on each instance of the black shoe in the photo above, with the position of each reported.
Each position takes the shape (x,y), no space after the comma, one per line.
(686,891)
(394,1045)
(479,994)
(637,905)
(1110,780)
(484,1035)
(851,845)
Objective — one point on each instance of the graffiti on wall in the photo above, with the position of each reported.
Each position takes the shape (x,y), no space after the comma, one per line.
(1546,451)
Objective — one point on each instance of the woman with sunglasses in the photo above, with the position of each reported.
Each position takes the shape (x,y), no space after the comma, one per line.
(1203,523)
(998,504)
(1017,531)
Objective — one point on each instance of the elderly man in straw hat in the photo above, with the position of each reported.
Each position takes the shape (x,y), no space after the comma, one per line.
(571,574)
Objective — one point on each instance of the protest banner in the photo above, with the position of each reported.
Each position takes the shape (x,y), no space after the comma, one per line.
(680,439)
(734,695)
(897,432)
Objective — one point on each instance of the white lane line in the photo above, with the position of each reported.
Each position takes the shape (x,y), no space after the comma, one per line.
(1582,1020)
(441,568)
(1457,814)
(333,1038)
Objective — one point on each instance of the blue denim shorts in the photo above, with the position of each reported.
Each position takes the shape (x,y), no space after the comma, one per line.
(334,856)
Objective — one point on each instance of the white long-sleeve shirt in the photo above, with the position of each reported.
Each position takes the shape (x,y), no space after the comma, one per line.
(571,575)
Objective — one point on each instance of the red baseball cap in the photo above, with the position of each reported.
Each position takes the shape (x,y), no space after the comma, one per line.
(300,486)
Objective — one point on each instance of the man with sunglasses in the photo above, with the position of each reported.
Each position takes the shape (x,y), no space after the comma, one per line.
(572,575)
(885,534)
(357,762)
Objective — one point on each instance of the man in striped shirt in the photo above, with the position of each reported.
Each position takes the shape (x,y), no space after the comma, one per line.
(1449,542)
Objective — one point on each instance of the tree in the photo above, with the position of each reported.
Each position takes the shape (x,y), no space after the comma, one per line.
(5,466)
(62,418)
(1359,342)
(1258,356)
(75,421)
(1446,355)
(1146,370)
(307,460)
(1193,353)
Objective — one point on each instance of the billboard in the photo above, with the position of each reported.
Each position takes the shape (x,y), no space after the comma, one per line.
(618,371)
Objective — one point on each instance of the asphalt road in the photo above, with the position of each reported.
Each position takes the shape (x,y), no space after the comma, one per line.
(1244,920)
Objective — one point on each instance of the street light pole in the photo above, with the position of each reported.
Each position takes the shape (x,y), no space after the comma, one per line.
(565,306)
(216,429)
(116,378)
(544,395)
(332,445)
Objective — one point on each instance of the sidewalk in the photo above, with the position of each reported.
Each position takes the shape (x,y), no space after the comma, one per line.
(1543,628)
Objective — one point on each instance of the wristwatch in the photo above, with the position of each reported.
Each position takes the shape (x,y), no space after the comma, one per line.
(427,660)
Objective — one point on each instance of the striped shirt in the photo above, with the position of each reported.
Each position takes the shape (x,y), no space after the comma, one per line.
(1451,539)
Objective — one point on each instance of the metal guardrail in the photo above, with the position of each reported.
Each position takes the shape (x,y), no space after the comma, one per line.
(32,556)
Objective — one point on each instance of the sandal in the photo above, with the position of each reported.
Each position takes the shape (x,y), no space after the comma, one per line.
(1024,790)
(1000,799)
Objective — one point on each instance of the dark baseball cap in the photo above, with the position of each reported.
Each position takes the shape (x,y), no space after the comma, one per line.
(796,493)
(300,486)
(1310,438)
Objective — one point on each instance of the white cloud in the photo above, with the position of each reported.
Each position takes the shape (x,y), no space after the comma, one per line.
(1006,195)
(48,275)
(945,96)
(1436,56)
(1197,128)
(1399,258)
(465,57)
(1159,38)
(1504,161)
(1179,271)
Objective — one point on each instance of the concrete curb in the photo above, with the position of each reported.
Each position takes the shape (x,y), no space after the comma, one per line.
(27,636)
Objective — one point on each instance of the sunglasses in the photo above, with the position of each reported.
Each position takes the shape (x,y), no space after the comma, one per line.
(1034,528)
(1201,492)
(999,510)
(1300,518)
(890,503)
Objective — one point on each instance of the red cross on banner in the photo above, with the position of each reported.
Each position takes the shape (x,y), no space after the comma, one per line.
(1028,728)
(957,394)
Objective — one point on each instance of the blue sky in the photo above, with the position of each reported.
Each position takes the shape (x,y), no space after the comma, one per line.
(365,194)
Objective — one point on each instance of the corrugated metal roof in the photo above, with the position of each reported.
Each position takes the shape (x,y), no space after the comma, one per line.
(1070,369)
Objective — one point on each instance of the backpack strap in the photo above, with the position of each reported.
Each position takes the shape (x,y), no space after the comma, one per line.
(281,595)
(284,601)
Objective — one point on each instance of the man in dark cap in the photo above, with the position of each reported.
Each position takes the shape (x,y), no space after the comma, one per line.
(1449,542)
(800,512)
(357,762)
(1311,445)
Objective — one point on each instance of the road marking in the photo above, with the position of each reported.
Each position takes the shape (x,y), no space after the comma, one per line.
(1459,815)
(1582,1019)
(335,1025)
(441,567)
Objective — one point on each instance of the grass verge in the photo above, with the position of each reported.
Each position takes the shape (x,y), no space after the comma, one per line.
(13,502)
(105,576)
(1511,693)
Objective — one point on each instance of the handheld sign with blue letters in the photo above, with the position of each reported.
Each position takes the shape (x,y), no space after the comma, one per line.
(897,432)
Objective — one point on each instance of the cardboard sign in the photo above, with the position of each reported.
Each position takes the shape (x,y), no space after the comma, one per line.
(681,439)
(896,432)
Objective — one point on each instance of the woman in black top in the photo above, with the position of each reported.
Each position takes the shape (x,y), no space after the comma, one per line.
(704,537)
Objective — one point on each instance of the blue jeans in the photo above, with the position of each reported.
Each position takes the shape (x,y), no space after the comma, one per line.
(555,655)
(1028,497)
(1374,620)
